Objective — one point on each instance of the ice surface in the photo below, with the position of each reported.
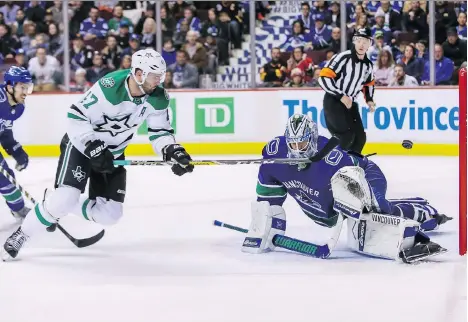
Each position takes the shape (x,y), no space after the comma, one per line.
(164,261)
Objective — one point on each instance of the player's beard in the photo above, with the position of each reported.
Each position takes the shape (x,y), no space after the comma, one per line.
(148,89)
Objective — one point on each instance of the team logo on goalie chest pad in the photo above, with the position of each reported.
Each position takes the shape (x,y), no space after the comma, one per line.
(79,174)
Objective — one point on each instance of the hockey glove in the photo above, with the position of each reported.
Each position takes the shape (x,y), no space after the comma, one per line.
(101,159)
(21,157)
(176,153)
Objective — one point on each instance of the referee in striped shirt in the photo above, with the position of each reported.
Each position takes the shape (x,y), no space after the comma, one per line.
(342,78)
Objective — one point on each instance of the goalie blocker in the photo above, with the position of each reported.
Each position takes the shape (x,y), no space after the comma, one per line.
(369,233)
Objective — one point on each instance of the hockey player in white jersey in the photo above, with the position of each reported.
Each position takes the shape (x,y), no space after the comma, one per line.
(100,126)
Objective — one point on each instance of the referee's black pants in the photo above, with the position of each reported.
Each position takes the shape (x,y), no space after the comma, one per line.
(345,124)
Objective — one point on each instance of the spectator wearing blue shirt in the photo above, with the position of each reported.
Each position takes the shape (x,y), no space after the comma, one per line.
(306,16)
(397,5)
(9,12)
(321,35)
(463,6)
(193,22)
(320,9)
(372,7)
(169,52)
(380,26)
(81,56)
(443,68)
(350,10)
(296,39)
(94,26)
(461,28)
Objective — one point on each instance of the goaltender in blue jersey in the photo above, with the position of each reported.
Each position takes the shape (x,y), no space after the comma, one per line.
(343,185)
(17,86)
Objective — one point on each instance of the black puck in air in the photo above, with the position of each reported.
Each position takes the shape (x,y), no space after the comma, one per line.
(407,144)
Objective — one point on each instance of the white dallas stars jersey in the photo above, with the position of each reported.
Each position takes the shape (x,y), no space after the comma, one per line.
(109,113)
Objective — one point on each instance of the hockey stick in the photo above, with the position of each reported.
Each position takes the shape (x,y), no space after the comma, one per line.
(80,243)
(214,162)
(296,245)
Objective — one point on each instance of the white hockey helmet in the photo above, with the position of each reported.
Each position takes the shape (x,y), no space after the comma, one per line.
(149,61)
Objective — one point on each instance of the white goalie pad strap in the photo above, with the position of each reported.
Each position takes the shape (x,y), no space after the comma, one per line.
(381,235)
(351,192)
(267,221)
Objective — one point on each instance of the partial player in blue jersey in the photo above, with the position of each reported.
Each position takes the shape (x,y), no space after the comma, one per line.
(17,85)
(343,185)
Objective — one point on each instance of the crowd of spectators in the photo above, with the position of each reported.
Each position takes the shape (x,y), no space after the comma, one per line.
(198,37)
(400,31)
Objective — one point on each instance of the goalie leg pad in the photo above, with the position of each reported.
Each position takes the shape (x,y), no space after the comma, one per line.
(417,208)
(426,214)
(267,221)
(382,235)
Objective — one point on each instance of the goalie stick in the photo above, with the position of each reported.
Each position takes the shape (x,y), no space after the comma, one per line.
(80,243)
(296,245)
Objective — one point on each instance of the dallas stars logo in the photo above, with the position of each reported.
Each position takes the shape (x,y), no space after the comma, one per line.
(114,126)
(79,174)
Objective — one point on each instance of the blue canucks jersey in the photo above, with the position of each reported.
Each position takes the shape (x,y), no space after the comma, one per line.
(310,187)
(8,113)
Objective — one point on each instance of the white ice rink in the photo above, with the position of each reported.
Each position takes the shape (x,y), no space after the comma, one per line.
(165,262)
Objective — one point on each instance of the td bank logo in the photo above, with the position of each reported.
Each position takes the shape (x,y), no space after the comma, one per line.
(214,115)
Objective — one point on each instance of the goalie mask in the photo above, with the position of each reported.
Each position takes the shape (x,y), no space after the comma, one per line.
(301,136)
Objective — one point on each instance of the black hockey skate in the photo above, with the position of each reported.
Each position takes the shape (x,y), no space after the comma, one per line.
(21,214)
(420,251)
(13,244)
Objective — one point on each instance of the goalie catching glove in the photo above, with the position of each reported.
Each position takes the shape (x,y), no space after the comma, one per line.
(177,154)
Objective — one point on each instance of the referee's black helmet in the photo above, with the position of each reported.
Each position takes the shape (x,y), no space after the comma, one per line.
(363,32)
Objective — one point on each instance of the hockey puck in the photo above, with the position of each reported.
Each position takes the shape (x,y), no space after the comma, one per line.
(407,144)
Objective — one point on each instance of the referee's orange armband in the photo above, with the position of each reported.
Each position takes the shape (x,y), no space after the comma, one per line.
(327,72)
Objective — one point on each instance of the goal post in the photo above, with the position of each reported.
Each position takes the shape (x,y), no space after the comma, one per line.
(462,146)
